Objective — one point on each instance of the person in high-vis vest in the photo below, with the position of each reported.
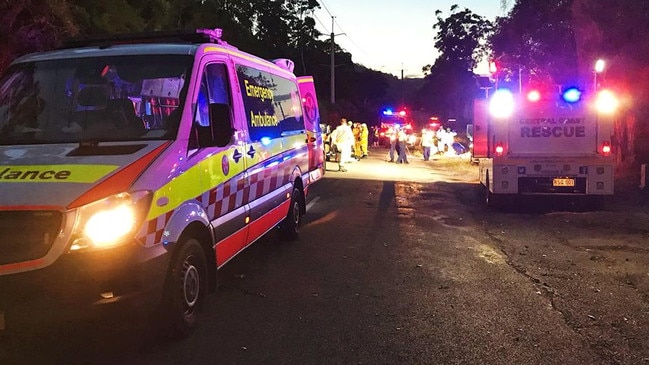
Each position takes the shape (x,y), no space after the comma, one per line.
(365,135)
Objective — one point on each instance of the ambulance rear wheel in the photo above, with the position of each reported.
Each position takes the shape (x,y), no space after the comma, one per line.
(290,226)
(185,289)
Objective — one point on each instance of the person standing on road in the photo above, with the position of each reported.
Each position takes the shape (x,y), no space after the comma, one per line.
(357,141)
(402,138)
(427,136)
(365,135)
(393,143)
(343,138)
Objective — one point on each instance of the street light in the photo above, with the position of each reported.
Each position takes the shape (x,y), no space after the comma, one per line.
(599,68)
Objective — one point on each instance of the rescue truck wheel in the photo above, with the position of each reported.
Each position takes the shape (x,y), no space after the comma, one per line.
(186,288)
(290,226)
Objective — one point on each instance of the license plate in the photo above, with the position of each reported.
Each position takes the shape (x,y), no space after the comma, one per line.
(563,182)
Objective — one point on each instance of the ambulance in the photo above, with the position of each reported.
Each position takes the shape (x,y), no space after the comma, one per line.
(132,168)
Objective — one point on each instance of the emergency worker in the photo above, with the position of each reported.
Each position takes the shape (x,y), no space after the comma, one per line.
(393,143)
(402,138)
(357,141)
(342,138)
(448,139)
(376,134)
(365,135)
(427,136)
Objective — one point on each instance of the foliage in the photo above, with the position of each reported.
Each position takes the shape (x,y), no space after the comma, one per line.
(268,28)
(32,25)
(537,37)
(450,86)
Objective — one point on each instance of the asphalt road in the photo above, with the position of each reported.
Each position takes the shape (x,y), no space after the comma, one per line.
(402,264)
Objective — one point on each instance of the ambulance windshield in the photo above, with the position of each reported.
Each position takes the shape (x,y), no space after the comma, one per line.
(103,99)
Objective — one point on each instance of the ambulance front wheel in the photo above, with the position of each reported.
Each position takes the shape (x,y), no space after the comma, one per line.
(290,226)
(185,288)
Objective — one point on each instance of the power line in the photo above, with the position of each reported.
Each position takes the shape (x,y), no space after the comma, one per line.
(325,7)
(339,27)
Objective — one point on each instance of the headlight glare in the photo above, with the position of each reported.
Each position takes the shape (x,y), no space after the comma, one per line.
(111,221)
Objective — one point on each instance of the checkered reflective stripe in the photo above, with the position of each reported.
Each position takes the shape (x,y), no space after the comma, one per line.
(152,232)
(225,198)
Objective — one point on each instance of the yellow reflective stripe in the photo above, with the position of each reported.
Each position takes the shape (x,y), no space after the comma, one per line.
(304,79)
(55,173)
(189,185)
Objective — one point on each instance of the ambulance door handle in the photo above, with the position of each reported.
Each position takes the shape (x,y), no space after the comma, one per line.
(251,152)
(236,155)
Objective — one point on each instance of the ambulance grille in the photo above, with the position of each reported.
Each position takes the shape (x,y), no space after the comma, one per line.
(27,235)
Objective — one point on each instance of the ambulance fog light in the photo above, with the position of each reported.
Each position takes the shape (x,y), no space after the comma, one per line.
(505,185)
(600,185)
(600,171)
(111,221)
(522,170)
(505,170)
(583,170)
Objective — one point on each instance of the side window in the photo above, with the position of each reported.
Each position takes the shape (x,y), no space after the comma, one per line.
(214,89)
(272,103)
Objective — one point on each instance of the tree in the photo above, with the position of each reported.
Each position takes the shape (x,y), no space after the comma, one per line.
(450,84)
(537,37)
(30,26)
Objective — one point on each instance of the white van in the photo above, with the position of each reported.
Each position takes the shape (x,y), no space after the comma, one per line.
(131,169)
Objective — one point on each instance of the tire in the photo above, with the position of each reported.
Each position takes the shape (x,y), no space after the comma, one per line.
(289,228)
(185,289)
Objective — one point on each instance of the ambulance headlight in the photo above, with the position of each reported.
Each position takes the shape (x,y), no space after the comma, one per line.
(111,221)
(501,104)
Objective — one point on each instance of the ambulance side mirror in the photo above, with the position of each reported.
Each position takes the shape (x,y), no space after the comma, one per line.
(221,124)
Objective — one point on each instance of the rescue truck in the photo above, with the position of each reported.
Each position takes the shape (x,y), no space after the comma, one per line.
(545,143)
(132,168)
(390,122)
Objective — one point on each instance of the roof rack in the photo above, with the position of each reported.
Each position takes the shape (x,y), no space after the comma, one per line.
(183,36)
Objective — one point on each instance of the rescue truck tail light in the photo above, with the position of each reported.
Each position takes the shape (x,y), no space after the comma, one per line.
(499,149)
(606,102)
(501,104)
(606,148)
(111,221)
(534,96)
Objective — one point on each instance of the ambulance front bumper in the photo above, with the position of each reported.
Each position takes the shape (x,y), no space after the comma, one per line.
(79,285)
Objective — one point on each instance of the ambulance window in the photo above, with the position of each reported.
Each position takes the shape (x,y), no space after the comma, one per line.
(217,80)
(214,89)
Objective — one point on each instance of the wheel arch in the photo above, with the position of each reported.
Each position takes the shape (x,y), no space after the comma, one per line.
(203,235)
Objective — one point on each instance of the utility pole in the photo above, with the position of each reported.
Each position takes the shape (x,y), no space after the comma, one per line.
(333,72)
(333,63)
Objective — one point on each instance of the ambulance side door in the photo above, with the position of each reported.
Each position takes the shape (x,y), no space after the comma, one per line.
(222,167)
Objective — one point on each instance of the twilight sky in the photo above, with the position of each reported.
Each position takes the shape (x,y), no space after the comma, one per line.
(391,36)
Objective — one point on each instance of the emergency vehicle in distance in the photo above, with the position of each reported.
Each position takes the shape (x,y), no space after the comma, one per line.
(131,168)
(545,143)
(389,124)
